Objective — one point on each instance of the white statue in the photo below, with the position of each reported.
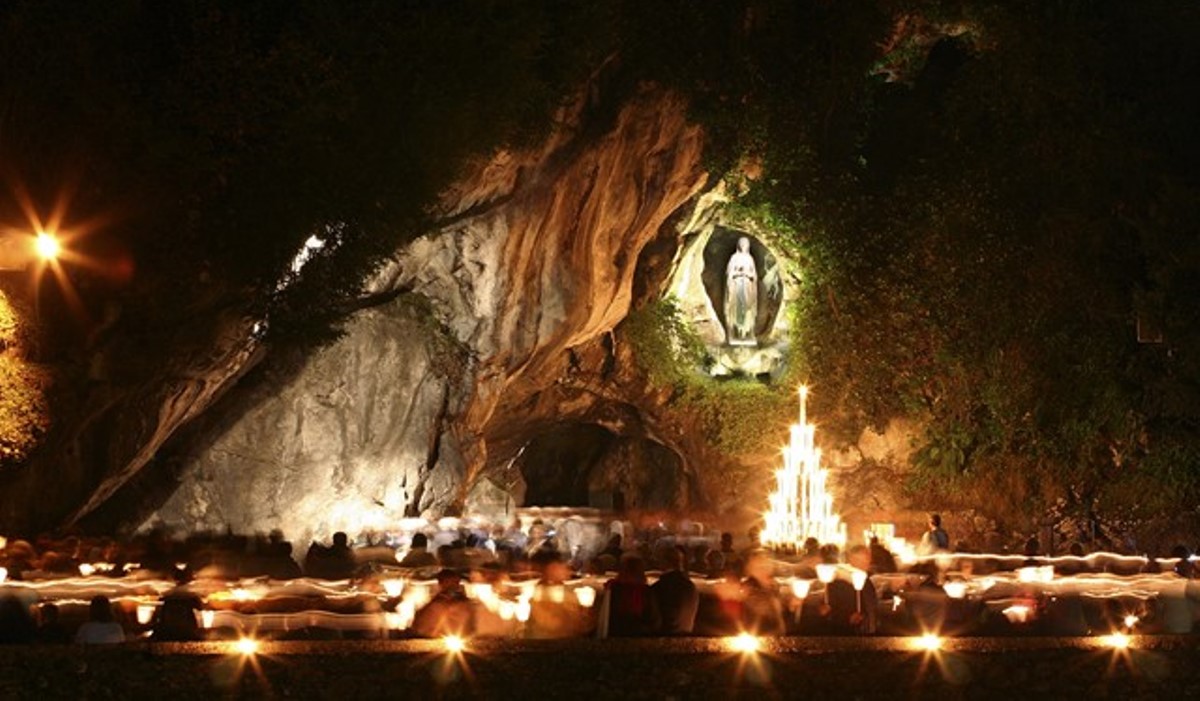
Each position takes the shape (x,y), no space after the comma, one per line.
(741,296)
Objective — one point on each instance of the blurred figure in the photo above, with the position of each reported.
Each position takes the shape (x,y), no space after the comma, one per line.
(418,554)
(676,596)
(720,610)
(935,539)
(51,630)
(850,612)
(762,607)
(613,548)
(554,613)
(1184,566)
(175,620)
(810,557)
(101,628)
(882,560)
(16,625)
(448,612)
(632,609)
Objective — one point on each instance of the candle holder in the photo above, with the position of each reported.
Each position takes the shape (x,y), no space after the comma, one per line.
(826,573)
(859,579)
(800,589)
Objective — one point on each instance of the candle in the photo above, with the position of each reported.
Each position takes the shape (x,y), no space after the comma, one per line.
(145,614)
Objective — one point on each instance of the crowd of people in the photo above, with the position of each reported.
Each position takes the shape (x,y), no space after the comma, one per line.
(650,582)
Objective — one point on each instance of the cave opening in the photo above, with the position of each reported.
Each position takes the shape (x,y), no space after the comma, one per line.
(588,465)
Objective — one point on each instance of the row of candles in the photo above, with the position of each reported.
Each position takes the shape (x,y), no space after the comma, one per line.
(410,596)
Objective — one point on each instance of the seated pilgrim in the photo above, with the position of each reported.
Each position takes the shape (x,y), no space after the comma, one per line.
(448,612)
(844,615)
(632,610)
(100,628)
(676,596)
(333,562)
(554,614)
(720,609)
(418,553)
(762,607)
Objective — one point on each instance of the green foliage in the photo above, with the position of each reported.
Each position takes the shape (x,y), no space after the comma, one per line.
(24,409)
(668,349)
(736,416)
(979,241)
(448,356)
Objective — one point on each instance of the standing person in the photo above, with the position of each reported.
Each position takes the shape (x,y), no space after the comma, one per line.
(936,539)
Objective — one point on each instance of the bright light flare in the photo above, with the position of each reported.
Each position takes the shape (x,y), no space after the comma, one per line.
(744,643)
(393,587)
(46,246)
(1131,621)
(3,573)
(927,642)
(1117,641)
(246,646)
(454,644)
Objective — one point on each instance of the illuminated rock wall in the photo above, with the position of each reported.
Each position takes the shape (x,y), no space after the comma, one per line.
(348,442)
(536,256)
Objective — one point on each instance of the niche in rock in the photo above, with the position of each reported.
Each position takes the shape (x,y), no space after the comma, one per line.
(721,246)
(578,464)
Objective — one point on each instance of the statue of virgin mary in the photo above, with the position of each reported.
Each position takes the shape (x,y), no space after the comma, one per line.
(741,296)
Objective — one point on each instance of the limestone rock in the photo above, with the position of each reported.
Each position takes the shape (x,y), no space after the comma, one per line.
(344,444)
(536,254)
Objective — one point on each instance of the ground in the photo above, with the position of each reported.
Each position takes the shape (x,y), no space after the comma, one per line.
(809,668)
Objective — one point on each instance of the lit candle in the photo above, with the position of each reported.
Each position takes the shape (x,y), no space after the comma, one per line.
(800,589)
(145,613)
(586,596)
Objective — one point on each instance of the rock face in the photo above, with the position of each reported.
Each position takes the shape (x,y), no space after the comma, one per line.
(116,428)
(536,257)
(349,442)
